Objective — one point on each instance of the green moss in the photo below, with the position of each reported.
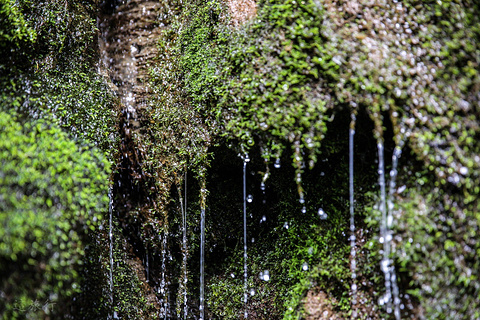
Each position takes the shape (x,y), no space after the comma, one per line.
(14,30)
(130,296)
(56,77)
(273,83)
(53,193)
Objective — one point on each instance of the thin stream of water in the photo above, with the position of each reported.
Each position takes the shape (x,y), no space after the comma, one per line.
(163,281)
(110,236)
(393,176)
(202,253)
(353,252)
(384,235)
(183,209)
(185,279)
(245,270)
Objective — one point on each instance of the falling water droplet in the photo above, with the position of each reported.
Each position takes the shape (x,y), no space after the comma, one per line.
(246,158)
(262,186)
(246,199)
(277,164)
(304,209)
(252,292)
(322,214)
(265,275)
(305,266)
(285,225)
(110,233)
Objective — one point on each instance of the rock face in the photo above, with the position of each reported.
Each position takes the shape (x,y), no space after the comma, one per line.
(193,84)
(242,10)
(128,46)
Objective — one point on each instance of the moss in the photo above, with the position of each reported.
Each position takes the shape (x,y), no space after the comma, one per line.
(58,130)
(274,82)
(131,297)
(56,77)
(14,31)
(53,193)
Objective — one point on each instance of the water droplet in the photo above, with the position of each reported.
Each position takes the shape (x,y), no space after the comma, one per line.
(263,219)
(305,266)
(304,209)
(232,275)
(252,292)
(249,198)
(262,186)
(285,225)
(277,163)
(265,275)
(246,158)
(302,199)
(322,214)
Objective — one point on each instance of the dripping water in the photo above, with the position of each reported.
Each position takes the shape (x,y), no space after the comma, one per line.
(184,280)
(147,267)
(163,281)
(184,240)
(393,175)
(202,252)
(387,266)
(245,270)
(384,236)
(110,236)
(353,253)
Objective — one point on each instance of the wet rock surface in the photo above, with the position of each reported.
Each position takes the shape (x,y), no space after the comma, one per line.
(128,33)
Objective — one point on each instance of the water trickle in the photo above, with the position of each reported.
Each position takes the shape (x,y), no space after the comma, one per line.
(147,268)
(163,280)
(245,199)
(185,253)
(353,252)
(110,236)
(397,152)
(386,263)
(202,253)
(184,281)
